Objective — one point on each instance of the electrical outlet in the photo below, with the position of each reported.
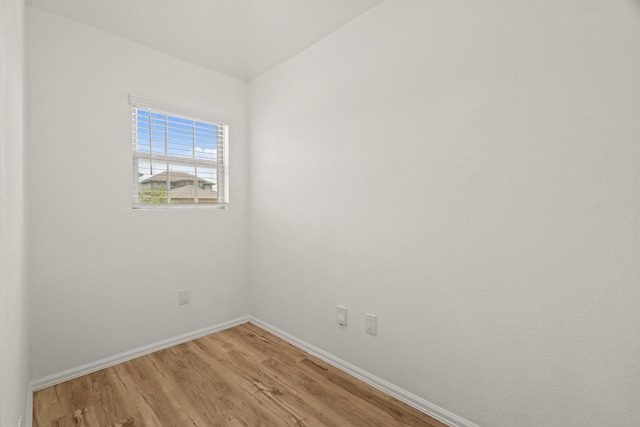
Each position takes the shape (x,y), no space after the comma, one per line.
(341,315)
(372,323)
(19,421)
(183,296)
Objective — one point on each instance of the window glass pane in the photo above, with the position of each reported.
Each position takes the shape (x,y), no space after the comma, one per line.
(152,182)
(143,142)
(182,184)
(206,136)
(179,137)
(207,185)
(158,133)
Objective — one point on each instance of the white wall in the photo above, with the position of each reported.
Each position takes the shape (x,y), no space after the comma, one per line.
(104,279)
(469,172)
(13,291)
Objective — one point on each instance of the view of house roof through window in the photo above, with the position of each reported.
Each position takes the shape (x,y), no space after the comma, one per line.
(177,160)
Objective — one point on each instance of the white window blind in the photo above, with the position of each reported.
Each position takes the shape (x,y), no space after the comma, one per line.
(180,158)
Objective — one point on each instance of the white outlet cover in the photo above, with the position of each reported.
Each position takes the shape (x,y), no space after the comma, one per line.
(183,296)
(371,324)
(341,315)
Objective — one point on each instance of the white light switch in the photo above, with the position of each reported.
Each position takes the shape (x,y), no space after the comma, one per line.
(341,315)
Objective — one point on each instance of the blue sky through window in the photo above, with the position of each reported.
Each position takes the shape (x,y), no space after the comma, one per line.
(166,135)
(175,136)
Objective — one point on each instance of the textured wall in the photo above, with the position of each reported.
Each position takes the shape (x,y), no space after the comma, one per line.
(105,279)
(13,292)
(469,172)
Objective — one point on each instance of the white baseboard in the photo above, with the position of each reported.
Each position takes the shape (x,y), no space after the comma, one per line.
(410,399)
(70,374)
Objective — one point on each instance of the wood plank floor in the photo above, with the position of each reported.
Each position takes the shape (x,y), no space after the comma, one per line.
(242,376)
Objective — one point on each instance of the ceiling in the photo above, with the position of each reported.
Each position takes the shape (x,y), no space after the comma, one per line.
(241,38)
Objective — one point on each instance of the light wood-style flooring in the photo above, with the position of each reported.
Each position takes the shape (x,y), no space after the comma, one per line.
(243,376)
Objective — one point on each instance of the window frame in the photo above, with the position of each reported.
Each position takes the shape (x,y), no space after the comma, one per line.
(138,102)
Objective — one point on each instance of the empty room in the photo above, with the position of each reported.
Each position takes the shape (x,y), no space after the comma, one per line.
(320,213)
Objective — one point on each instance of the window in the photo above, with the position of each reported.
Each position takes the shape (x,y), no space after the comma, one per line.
(179,157)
